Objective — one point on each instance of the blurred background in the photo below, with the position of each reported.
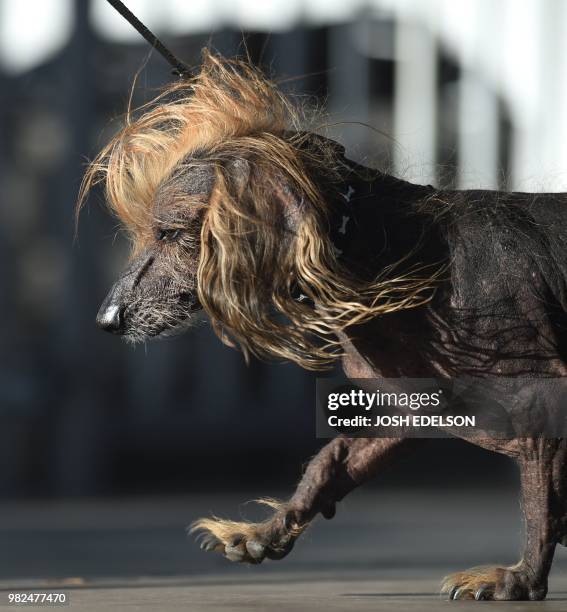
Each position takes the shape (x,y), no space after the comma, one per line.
(466,94)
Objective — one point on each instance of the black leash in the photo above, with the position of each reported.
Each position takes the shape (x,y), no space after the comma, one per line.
(179,68)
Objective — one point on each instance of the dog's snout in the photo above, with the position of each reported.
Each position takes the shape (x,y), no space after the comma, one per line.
(110,316)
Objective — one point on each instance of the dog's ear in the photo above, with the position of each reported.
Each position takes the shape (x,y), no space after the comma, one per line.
(241,172)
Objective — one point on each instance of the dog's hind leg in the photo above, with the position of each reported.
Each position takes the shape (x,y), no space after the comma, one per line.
(542,470)
(338,468)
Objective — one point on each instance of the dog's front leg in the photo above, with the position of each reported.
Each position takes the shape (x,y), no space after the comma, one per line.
(339,467)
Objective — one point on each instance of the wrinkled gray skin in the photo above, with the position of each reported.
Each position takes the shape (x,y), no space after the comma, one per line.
(501,313)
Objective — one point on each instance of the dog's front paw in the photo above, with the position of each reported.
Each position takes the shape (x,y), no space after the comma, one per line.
(246,542)
(494,583)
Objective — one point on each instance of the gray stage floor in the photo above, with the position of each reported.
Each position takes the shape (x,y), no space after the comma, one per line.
(385,550)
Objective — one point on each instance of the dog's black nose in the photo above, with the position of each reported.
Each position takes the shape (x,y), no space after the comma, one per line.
(110,317)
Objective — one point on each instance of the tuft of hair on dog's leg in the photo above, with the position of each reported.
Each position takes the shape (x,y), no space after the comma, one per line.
(474,583)
(251,542)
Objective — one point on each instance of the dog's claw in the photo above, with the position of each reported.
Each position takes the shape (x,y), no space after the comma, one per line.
(483,593)
(211,543)
(453,592)
(329,511)
(289,520)
(460,593)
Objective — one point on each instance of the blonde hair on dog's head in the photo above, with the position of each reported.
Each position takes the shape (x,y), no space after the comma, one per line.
(264,233)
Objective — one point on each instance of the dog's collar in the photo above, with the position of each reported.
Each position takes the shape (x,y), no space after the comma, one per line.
(342,220)
(342,226)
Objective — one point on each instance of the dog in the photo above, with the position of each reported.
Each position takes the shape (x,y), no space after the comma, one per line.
(297,253)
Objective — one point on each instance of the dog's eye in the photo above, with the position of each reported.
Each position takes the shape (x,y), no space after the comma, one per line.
(167,234)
